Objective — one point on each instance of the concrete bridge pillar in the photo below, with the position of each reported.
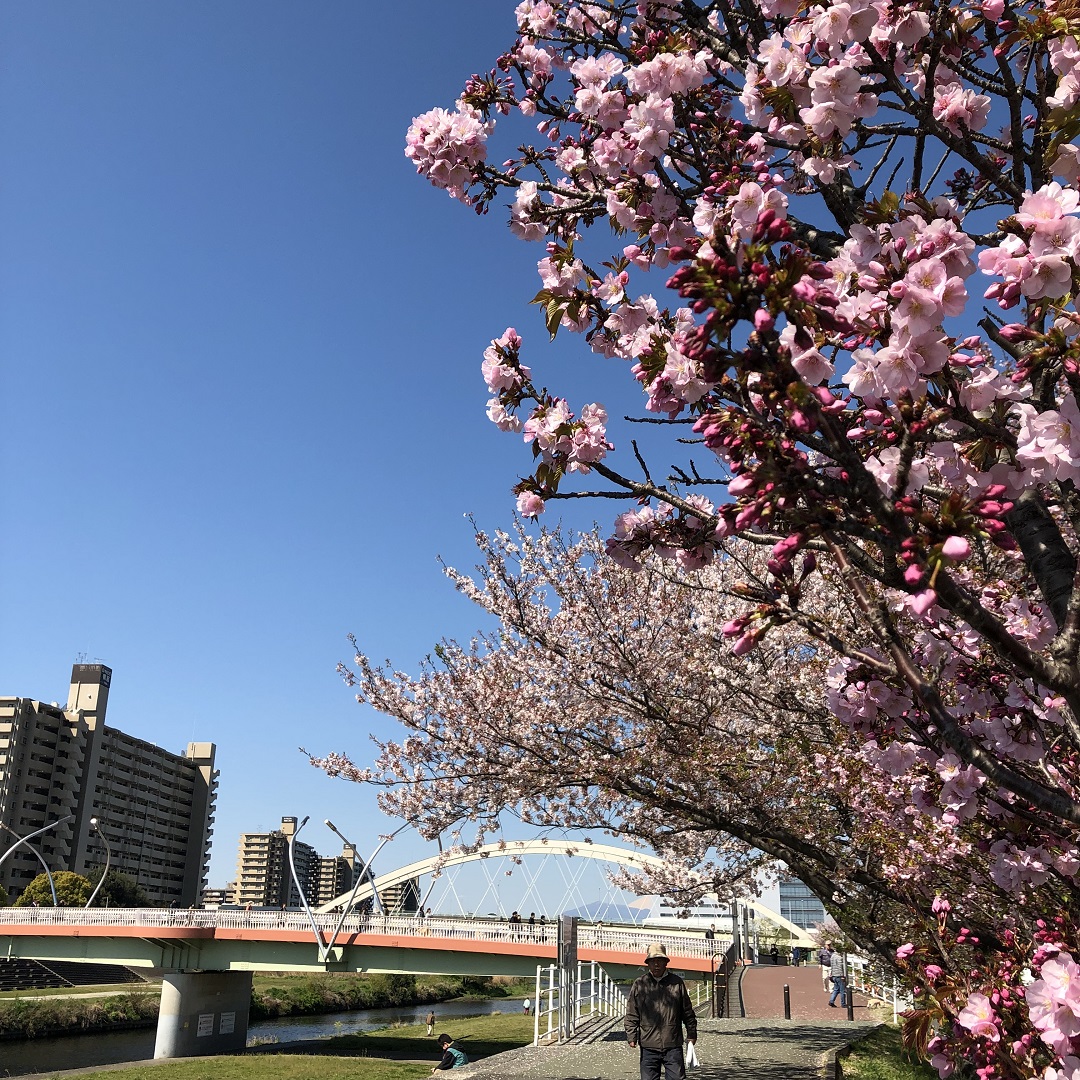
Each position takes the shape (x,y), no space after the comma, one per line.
(203,1012)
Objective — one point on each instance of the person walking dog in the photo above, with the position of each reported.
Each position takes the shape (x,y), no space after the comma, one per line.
(657,1010)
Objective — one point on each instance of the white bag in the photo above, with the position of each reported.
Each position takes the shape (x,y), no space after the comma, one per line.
(691,1057)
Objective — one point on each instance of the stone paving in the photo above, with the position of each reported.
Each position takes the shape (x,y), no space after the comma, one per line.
(763,995)
(729,1050)
(763,1046)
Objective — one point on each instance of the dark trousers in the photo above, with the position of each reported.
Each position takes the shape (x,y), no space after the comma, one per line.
(671,1060)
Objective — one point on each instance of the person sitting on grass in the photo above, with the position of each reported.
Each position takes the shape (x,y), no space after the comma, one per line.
(452,1058)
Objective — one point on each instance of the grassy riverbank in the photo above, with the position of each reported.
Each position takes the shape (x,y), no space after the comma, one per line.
(272,996)
(881,1055)
(397,1053)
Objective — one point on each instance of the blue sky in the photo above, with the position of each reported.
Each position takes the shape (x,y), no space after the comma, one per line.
(239,359)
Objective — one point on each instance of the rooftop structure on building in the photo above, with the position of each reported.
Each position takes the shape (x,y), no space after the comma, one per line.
(154,808)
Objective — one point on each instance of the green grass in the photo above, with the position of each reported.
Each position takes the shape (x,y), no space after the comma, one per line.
(882,1056)
(478,1036)
(66,991)
(273,1067)
(398,1053)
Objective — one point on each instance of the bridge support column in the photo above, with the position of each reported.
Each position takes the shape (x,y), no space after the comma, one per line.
(204,1012)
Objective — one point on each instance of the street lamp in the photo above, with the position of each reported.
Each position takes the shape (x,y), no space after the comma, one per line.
(96,827)
(366,872)
(303,899)
(29,837)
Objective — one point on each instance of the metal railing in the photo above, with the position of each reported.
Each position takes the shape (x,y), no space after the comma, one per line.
(559,1007)
(723,967)
(874,981)
(609,938)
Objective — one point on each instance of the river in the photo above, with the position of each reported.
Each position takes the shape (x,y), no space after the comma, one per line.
(80,1051)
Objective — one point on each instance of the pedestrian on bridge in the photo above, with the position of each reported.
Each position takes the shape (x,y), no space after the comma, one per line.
(657,1010)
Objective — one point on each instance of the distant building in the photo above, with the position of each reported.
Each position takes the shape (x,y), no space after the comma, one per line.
(213,898)
(799,905)
(335,875)
(401,899)
(264,879)
(154,808)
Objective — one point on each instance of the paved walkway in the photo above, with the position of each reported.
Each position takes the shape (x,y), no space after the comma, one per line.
(729,1049)
(763,995)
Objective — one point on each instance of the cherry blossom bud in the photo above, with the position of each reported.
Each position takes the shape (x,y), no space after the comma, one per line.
(800,422)
(956,548)
(763,320)
(1016,332)
(914,574)
(905,951)
(747,643)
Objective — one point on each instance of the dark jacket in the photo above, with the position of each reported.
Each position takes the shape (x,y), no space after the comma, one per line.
(453,1058)
(656,1011)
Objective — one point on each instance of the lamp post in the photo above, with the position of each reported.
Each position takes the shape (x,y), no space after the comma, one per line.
(95,826)
(303,899)
(29,837)
(365,873)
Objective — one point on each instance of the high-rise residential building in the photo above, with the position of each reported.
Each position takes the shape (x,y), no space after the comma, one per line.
(402,898)
(335,875)
(264,878)
(153,808)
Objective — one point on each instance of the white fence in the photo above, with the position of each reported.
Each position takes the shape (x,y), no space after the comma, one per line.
(559,1006)
(611,938)
(874,981)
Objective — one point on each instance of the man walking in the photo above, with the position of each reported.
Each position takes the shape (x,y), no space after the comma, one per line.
(656,1011)
(824,957)
(838,973)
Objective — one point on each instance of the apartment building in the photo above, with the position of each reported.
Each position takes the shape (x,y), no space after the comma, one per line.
(263,877)
(153,808)
(401,899)
(335,874)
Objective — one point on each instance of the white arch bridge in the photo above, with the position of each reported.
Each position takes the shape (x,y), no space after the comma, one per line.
(562,854)
(207,955)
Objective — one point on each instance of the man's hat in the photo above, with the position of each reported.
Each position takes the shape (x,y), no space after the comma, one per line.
(656,951)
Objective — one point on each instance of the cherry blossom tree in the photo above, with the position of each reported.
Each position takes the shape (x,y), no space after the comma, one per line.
(608,698)
(866,218)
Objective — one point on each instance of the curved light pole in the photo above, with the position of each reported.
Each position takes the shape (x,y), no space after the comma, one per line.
(26,839)
(40,859)
(303,899)
(95,825)
(365,873)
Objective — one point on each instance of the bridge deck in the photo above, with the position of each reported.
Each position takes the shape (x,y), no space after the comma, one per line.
(239,940)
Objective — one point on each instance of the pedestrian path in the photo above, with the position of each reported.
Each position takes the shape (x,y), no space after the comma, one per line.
(748,1049)
(763,995)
